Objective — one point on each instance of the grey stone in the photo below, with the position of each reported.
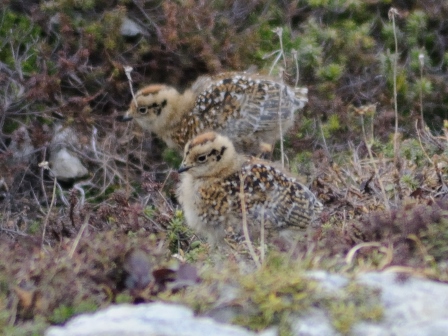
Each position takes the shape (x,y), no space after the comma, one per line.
(409,302)
(412,307)
(130,28)
(328,281)
(370,329)
(154,319)
(314,323)
(65,165)
(430,328)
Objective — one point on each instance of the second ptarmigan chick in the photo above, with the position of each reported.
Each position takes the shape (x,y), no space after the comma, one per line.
(245,107)
(212,173)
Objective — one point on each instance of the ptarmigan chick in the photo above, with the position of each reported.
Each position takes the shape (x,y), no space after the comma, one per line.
(245,107)
(209,192)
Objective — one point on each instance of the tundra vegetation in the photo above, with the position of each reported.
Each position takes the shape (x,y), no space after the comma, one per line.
(371,143)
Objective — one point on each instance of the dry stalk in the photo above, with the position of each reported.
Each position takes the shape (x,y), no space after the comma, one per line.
(280,52)
(351,254)
(389,255)
(262,251)
(296,62)
(421,59)
(279,32)
(323,138)
(53,197)
(245,228)
(392,13)
(78,236)
(426,256)
(126,176)
(44,154)
(380,181)
(127,71)
(280,127)
(420,142)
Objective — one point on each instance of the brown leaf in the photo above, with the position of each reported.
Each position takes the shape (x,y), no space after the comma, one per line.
(417,193)
(162,276)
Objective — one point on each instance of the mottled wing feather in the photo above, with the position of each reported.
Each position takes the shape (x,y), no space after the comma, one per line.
(241,103)
(291,203)
(271,196)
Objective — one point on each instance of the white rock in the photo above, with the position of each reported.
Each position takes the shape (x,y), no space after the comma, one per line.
(130,28)
(411,305)
(314,323)
(328,281)
(66,166)
(154,319)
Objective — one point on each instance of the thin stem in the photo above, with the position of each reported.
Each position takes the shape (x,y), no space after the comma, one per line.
(296,62)
(280,126)
(128,70)
(245,228)
(262,251)
(368,145)
(421,59)
(393,12)
(42,176)
(53,197)
(78,236)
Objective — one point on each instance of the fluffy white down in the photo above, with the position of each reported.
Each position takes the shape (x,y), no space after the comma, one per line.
(188,197)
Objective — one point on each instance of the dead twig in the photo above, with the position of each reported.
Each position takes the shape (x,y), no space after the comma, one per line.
(245,228)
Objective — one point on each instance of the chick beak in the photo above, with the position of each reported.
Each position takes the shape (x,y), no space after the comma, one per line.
(124,118)
(183,168)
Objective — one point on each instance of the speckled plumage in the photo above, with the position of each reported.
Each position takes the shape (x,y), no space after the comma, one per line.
(244,107)
(209,192)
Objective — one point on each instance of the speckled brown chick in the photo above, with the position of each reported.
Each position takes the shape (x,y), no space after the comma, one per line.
(209,192)
(244,107)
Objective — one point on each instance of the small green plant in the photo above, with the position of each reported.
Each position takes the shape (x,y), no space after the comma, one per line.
(149,211)
(410,182)
(356,303)
(172,157)
(332,126)
(178,233)
(331,72)
(18,48)
(61,314)
(34,227)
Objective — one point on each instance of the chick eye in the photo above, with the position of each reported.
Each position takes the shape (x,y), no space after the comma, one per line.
(202,158)
(143,110)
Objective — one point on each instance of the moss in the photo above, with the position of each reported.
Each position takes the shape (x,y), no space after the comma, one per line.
(434,239)
(21,36)
(356,303)
(276,294)
(302,162)
(177,232)
(330,72)
(65,312)
(172,157)
(332,126)
(35,327)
